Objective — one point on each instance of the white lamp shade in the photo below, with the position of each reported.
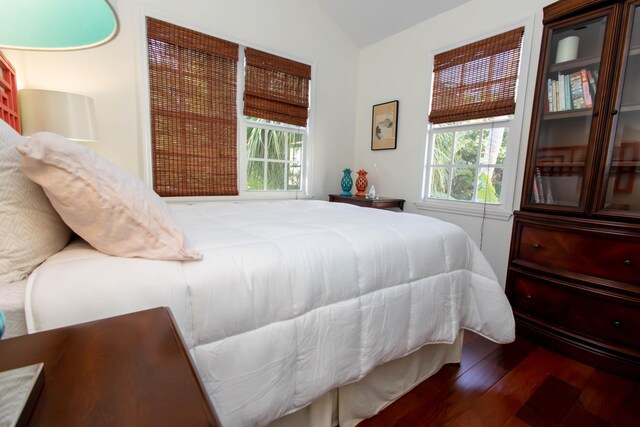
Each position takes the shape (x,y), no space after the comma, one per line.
(67,114)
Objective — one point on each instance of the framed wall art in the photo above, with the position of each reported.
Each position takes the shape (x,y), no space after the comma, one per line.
(384,126)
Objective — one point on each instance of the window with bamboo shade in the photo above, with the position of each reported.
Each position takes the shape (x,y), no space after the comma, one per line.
(276,88)
(477,80)
(193,84)
(475,127)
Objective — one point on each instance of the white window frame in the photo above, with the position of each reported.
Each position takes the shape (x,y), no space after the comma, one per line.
(504,209)
(144,109)
(274,127)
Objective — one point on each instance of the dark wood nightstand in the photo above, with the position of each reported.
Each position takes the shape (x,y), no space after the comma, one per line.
(127,370)
(379,203)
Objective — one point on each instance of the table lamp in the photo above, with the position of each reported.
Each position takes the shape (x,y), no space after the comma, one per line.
(67,114)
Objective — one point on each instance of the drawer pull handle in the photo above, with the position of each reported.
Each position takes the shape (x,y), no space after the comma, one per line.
(528,296)
(616,323)
(627,262)
(537,245)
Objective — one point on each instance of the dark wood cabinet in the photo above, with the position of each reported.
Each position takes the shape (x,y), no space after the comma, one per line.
(574,265)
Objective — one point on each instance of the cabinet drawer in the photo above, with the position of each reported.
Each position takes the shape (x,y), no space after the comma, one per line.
(616,322)
(595,254)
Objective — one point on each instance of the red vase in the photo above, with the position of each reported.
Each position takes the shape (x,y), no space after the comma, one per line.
(361,182)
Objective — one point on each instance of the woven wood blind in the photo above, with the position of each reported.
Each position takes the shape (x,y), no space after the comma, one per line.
(192,80)
(8,94)
(477,80)
(276,88)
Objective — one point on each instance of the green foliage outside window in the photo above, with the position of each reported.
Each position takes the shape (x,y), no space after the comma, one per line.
(467,165)
(274,159)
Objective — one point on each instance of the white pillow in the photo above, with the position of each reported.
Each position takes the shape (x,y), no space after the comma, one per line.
(30,229)
(107,206)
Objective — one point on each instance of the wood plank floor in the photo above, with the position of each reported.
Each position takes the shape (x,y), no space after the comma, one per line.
(516,385)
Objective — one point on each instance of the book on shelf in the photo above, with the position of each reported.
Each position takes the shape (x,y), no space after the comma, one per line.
(561,98)
(549,199)
(536,195)
(577,92)
(567,92)
(572,91)
(592,82)
(588,102)
(538,182)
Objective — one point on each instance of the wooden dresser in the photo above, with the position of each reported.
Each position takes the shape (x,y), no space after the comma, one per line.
(574,266)
(574,285)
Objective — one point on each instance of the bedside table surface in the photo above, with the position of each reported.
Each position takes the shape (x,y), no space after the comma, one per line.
(379,203)
(132,369)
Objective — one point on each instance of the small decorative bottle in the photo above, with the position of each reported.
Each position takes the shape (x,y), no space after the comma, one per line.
(346,182)
(372,192)
(361,183)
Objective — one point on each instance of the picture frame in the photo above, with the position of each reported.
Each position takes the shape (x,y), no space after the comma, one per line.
(384,126)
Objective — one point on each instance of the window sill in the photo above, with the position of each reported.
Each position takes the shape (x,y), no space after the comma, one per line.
(497,212)
(244,196)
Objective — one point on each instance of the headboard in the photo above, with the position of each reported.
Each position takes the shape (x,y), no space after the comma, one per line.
(8,94)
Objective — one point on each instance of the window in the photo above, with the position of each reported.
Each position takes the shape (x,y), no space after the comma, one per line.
(194,79)
(467,162)
(276,105)
(192,91)
(274,157)
(472,121)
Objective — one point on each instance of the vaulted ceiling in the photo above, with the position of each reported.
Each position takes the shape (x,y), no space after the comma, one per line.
(368,21)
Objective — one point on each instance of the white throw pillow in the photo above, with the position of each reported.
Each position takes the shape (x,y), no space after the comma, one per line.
(30,229)
(107,206)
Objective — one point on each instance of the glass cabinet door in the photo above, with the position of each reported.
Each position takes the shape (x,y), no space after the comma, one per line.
(570,90)
(622,173)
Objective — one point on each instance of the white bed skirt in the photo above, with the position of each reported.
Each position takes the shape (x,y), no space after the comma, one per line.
(348,405)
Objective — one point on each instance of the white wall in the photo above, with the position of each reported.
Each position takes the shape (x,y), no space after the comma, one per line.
(298,29)
(399,67)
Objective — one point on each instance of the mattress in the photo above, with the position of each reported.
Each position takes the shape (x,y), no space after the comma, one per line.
(292,299)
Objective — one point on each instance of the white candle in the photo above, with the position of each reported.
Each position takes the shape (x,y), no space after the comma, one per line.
(567,49)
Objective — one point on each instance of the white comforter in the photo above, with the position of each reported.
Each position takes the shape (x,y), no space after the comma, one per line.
(292,299)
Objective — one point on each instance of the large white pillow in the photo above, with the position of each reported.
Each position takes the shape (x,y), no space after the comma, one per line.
(107,206)
(30,229)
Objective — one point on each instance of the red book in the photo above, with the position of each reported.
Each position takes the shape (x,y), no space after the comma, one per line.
(588,102)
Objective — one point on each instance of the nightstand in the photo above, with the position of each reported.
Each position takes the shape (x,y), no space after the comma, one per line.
(132,370)
(379,203)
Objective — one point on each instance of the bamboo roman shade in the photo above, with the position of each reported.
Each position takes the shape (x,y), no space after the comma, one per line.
(192,79)
(276,88)
(477,80)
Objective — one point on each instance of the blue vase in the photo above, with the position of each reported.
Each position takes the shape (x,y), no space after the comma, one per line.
(1,324)
(346,182)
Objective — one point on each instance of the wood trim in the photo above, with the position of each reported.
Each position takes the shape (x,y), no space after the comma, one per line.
(564,8)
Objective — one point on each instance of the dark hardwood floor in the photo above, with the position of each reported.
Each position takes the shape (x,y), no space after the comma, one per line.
(519,384)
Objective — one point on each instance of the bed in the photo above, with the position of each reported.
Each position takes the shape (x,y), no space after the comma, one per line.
(291,300)
(295,312)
